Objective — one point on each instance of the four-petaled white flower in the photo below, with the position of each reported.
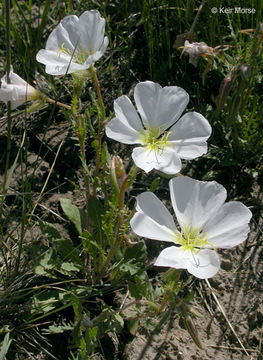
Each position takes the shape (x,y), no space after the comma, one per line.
(74,44)
(165,137)
(206,223)
(18,91)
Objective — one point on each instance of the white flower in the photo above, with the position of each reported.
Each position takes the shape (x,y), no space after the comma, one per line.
(74,44)
(195,50)
(206,223)
(18,91)
(165,137)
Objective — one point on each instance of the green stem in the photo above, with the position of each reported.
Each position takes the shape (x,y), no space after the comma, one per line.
(8,49)
(80,131)
(191,31)
(101,121)
(122,193)
(8,68)
(97,86)
(85,175)
(125,185)
(79,125)
(22,234)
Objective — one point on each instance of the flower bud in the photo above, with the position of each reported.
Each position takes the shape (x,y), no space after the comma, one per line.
(118,168)
(17,91)
(224,91)
(188,322)
(245,70)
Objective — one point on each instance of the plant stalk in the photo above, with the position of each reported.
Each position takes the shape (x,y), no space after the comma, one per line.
(101,122)
(58,103)
(8,67)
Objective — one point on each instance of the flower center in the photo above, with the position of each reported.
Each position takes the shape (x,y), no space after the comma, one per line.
(191,239)
(153,141)
(79,55)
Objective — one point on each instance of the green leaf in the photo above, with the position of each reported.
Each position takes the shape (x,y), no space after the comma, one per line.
(44,302)
(105,155)
(132,326)
(57,329)
(154,184)
(116,322)
(5,346)
(72,212)
(91,336)
(49,231)
(66,250)
(44,19)
(91,246)
(136,252)
(135,290)
(68,267)
(140,288)
(130,267)
(95,210)
(133,259)
(46,263)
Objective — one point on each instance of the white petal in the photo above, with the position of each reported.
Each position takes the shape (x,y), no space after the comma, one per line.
(8,93)
(145,226)
(17,94)
(24,92)
(194,201)
(166,161)
(229,225)
(144,159)
(53,58)
(122,132)
(15,104)
(91,29)
(151,206)
(191,126)
(189,150)
(58,63)
(125,111)
(66,34)
(174,257)
(104,46)
(189,134)
(99,53)
(16,79)
(159,107)
(203,265)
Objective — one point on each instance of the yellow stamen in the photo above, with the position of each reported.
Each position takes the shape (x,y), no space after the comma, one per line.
(79,55)
(63,50)
(153,139)
(191,239)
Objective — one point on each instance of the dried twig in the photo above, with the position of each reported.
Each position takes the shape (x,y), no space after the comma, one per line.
(226,318)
